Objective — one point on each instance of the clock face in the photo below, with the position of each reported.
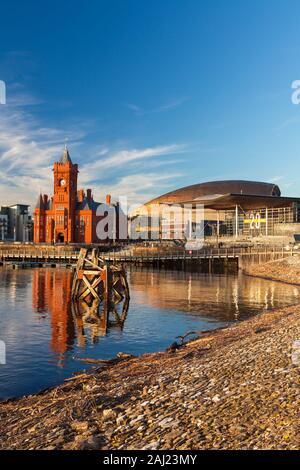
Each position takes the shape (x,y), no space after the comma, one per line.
(62,182)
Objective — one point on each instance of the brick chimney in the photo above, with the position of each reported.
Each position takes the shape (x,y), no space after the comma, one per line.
(108,200)
(89,194)
(80,195)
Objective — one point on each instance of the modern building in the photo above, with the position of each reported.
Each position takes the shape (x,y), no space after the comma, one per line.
(232,208)
(72,215)
(16,224)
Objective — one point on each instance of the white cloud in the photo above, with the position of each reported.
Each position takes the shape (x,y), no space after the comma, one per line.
(138,111)
(138,188)
(28,150)
(121,158)
(286,124)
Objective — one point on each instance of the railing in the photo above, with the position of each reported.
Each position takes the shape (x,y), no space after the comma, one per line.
(204,253)
(134,254)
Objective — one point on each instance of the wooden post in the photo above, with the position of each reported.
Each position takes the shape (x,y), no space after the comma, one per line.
(95,278)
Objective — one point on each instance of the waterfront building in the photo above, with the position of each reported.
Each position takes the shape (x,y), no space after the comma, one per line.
(16,224)
(230,208)
(72,215)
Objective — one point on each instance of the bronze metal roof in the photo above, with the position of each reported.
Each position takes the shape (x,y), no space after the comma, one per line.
(190,193)
(245,201)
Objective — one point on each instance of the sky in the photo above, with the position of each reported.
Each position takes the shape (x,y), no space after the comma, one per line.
(150,95)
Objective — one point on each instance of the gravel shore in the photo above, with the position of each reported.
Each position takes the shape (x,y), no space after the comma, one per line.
(285,270)
(236,388)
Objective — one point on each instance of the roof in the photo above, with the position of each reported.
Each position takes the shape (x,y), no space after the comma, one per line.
(65,158)
(87,204)
(190,193)
(40,203)
(245,201)
(50,204)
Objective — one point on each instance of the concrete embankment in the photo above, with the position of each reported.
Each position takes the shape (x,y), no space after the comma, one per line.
(236,388)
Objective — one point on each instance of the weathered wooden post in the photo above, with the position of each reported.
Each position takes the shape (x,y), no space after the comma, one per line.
(96,278)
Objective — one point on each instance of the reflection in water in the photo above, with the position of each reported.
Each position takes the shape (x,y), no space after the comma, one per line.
(97,318)
(51,293)
(218,296)
(46,335)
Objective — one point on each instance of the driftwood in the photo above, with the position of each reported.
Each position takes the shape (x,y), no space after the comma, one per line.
(121,357)
(183,338)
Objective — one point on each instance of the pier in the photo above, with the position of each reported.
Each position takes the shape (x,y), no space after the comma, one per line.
(23,256)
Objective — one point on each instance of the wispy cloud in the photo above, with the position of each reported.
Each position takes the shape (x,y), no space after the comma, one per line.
(138,187)
(28,149)
(121,158)
(121,168)
(287,123)
(139,111)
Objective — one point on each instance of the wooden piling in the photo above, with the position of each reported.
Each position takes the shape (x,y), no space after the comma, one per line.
(97,279)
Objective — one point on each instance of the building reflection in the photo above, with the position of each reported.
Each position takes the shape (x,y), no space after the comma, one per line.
(51,294)
(72,322)
(219,297)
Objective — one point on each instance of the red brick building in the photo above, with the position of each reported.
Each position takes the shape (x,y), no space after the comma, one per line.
(69,216)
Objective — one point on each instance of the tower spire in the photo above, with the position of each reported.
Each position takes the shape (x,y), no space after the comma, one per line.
(40,202)
(65,156)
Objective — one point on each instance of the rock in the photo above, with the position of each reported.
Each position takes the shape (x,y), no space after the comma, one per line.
(296,353)
(121,420)
(216,399)
(173,348)
(87,442)
(108,414)
(152,446)
(166,422)
(262,330)
(145,403)
(80,426)
(122,355)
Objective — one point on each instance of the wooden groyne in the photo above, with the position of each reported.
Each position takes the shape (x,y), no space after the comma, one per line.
(94,277)
(99,291)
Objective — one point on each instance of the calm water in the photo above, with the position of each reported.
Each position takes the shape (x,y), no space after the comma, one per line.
(45,337)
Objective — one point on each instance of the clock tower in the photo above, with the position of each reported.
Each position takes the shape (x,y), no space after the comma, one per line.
(70,216)
(64,199)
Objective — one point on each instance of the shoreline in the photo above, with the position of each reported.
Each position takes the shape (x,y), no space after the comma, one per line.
(286,270)
(232,388)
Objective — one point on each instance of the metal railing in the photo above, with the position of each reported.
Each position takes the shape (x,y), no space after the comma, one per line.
(133,254)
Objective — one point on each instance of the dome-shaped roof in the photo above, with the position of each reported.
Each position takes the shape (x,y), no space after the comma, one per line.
(189,193)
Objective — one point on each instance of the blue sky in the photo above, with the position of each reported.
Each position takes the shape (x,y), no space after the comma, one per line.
(152,95)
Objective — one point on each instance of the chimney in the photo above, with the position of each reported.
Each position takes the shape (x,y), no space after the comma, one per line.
(89,194)
(108,200)
(80,195)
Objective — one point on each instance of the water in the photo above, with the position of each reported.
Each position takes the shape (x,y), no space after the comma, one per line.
(44,338)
